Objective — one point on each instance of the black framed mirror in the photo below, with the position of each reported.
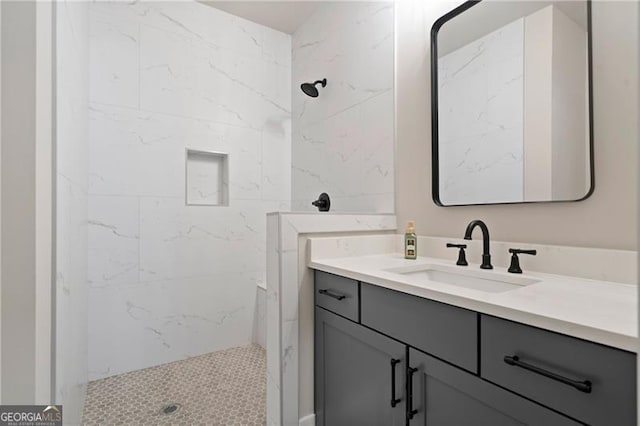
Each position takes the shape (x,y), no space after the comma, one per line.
(511,103)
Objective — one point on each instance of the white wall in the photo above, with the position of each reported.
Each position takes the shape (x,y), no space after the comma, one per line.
(44,224)
(72,134)
(170,281)
(570,108)
(608,219)
(26,227)
(18,176)
(343,140)
(538,88)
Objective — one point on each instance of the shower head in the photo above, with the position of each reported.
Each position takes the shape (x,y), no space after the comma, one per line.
(310,89)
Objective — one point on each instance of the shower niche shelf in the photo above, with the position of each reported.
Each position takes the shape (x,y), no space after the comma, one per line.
(207,178)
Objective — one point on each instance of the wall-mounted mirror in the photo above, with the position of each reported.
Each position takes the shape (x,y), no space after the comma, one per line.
(511,103)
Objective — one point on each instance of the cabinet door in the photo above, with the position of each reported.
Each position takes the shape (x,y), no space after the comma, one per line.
(357,371)
(445,395)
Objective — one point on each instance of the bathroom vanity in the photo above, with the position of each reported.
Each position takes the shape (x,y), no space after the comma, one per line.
(396,345)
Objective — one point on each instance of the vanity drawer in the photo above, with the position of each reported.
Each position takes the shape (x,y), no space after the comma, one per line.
(611,399)
(441,330)
(337,294)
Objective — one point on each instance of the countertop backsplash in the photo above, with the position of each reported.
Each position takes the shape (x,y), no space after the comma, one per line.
(619,266)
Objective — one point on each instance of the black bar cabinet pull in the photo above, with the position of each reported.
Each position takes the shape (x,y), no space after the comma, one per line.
(410,411)
(394,400)
(584,386)
(330,294)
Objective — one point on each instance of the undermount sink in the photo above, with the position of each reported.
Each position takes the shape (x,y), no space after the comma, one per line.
(482,280)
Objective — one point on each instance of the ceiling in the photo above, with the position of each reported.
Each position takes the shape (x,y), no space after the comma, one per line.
(285,16)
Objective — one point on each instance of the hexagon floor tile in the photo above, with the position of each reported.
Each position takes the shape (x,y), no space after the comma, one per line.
(224,388)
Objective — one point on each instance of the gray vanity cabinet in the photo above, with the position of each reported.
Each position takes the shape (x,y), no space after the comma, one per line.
(444,395)
(357,373)
(444,331)
(454,367)
(593,383)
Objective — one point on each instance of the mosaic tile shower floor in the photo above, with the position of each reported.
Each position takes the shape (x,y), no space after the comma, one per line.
(225,388)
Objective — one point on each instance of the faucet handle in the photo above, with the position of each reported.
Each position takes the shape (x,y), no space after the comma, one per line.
(514,268)
(462,258)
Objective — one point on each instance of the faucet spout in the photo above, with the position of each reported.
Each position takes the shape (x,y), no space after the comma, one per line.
(486,254)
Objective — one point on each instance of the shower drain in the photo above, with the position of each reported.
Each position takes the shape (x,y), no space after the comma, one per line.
(170,408)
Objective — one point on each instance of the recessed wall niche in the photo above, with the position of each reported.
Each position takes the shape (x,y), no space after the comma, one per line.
(207,178)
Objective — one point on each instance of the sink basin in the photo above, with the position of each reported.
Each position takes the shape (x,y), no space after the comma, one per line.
(482,280)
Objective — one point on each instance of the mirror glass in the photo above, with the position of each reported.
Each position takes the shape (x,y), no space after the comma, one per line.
(511,103)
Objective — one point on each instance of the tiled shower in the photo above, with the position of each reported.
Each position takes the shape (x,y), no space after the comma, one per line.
(183,127)
(176,279)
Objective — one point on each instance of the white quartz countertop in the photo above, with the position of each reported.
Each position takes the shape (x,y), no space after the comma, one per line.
(599,311)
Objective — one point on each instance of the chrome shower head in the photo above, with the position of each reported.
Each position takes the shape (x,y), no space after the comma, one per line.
(310,89)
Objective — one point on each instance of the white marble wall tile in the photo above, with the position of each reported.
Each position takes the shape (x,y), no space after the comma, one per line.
(336,247)
(276,161)
(290,361)
(286,283)
(114,81)
(378,136)
(350,156)
(345,48)
(260,318)
(72,82)
(149,156)
(178,241)
(71,62)
(326,157)
(187,77)
(193,21)
(311,36)
(343,141)
(207,179)
(160,322)
(71,297)
(171,280)
(274,376)
(276,48)
(150,151)
(114,238)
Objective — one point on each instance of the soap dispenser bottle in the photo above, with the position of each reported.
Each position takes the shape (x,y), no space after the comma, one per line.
(410,241)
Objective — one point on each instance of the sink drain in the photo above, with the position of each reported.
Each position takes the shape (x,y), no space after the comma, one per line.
(170,408)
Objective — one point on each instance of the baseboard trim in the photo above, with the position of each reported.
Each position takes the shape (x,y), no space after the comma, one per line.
(309,420)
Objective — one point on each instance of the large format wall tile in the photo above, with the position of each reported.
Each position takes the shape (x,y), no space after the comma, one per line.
(187,77)
(72,87)
(114,238)
(150,150)
(168,280)
(178,241)
(343,140)
(164,321)
(114,81)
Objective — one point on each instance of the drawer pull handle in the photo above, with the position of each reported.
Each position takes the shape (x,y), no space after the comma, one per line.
(330,294)
(410,411)
(394,400)
(584,386)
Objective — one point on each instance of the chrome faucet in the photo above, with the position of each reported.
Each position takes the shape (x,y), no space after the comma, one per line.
(486,255)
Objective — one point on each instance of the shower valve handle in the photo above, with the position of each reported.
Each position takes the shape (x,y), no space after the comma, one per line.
(323,203)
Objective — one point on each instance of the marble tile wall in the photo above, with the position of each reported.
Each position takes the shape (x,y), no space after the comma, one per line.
(481,138)
(72,86)
(343,140)
(169,281)
(289,307)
